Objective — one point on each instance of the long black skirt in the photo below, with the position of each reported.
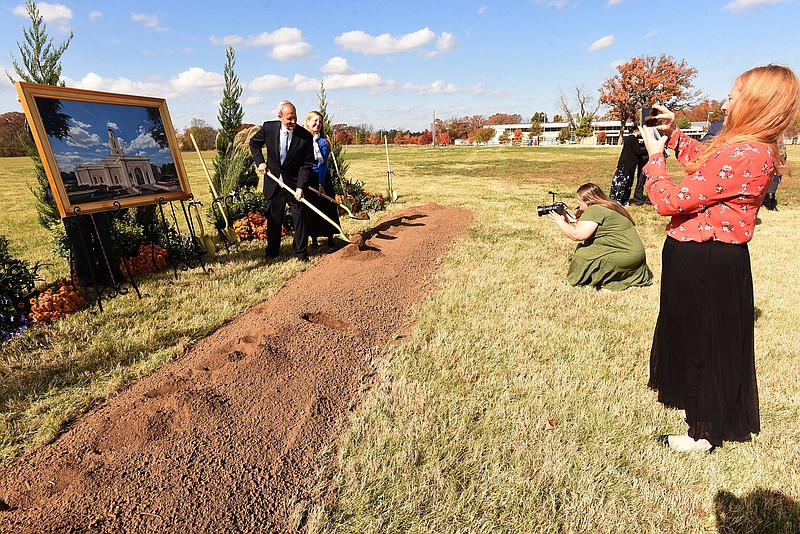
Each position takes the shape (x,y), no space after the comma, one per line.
(319,227)
(703,354)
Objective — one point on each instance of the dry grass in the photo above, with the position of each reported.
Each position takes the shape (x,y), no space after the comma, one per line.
(453,438)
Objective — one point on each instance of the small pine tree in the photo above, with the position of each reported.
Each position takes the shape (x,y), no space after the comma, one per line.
(584,128)
(230,174)
(337,150)
(41,63)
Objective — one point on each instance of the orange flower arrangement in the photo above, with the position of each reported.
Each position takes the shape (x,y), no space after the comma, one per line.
(149,259)
(51,305)
(253,226)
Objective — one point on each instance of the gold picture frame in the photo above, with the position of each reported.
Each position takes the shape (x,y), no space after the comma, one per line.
(104,151)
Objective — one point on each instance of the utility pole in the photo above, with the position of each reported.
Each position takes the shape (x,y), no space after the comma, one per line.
(433,129)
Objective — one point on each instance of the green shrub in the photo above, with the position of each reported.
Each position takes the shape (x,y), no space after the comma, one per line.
(17,283)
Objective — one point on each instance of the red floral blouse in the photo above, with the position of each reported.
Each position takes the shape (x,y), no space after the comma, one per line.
(720,200)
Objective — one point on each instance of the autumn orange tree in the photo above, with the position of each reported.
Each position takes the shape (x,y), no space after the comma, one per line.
(648,80)
(706,110)
(503,118)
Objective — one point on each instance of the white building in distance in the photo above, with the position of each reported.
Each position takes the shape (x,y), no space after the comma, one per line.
(551,131)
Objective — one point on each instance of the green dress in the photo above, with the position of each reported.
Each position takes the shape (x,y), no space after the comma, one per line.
(613,258)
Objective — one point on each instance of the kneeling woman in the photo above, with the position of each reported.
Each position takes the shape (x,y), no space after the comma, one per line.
(611,255)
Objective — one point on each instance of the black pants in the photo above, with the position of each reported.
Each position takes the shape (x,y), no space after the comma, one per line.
(639,197)
(277,208)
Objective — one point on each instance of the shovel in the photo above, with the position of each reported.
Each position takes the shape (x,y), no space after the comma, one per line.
(205,241)
(310,205)
(228,232)
(345,202)
(391,193)
(358,216)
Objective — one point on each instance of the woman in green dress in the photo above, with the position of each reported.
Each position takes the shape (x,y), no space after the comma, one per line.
(611,253)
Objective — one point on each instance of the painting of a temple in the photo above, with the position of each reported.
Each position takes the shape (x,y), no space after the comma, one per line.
(134,174)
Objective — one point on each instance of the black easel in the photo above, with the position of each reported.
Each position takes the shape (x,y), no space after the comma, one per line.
(95,239)
(184,252)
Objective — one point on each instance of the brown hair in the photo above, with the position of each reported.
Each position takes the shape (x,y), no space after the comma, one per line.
(769,100)
(592,194)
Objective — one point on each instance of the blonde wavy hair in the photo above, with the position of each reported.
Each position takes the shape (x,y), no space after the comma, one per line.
(769,100)
(592,194)
(322,122)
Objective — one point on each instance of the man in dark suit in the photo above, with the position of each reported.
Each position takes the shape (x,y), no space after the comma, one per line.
(290,157)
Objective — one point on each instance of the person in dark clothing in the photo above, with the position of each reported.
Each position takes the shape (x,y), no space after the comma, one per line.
(632,157)
(290,158)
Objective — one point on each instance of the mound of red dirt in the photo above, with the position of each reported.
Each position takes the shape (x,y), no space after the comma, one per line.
(228,438)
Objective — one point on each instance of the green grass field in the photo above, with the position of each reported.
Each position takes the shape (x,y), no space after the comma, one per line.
(452,438)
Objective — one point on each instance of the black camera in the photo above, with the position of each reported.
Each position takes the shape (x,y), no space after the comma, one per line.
(557,207)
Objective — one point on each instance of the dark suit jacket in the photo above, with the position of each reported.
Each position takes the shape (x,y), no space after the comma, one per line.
(296,168)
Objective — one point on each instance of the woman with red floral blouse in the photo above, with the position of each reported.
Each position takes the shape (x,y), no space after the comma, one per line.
(703,354)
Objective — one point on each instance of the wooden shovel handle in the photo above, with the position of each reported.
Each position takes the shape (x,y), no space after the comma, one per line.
(210,182)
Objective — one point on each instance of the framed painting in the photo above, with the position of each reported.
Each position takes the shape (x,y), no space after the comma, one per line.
(102,151)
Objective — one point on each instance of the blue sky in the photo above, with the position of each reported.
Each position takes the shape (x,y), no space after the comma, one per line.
(393,64)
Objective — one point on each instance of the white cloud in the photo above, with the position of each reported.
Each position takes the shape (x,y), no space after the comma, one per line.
(143,140)
(744,5)
(79,137)
(197,79)
(57,14)
(439,87)
(601,43)
(367,80)
(614,2)
(95,82)
(112,125)
(254,100)
(188,81)
(651,34)
(364,43)
(305,83)
(558,4)
(286,43)
(94,15)
(290,51)
(445,43)
(150,21)
(482,9)
(67,160)
(337,65)
(269,82)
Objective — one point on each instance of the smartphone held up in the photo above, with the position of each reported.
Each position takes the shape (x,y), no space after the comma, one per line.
(647,117)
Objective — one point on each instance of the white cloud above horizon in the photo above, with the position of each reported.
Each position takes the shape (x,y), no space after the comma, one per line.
(150,21)
(385,43)
(57,14)
(337,65)
(286,43)
(746,5)
(190,80)
(603,42)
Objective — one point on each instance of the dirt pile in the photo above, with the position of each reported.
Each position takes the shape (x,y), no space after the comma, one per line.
(228,437)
